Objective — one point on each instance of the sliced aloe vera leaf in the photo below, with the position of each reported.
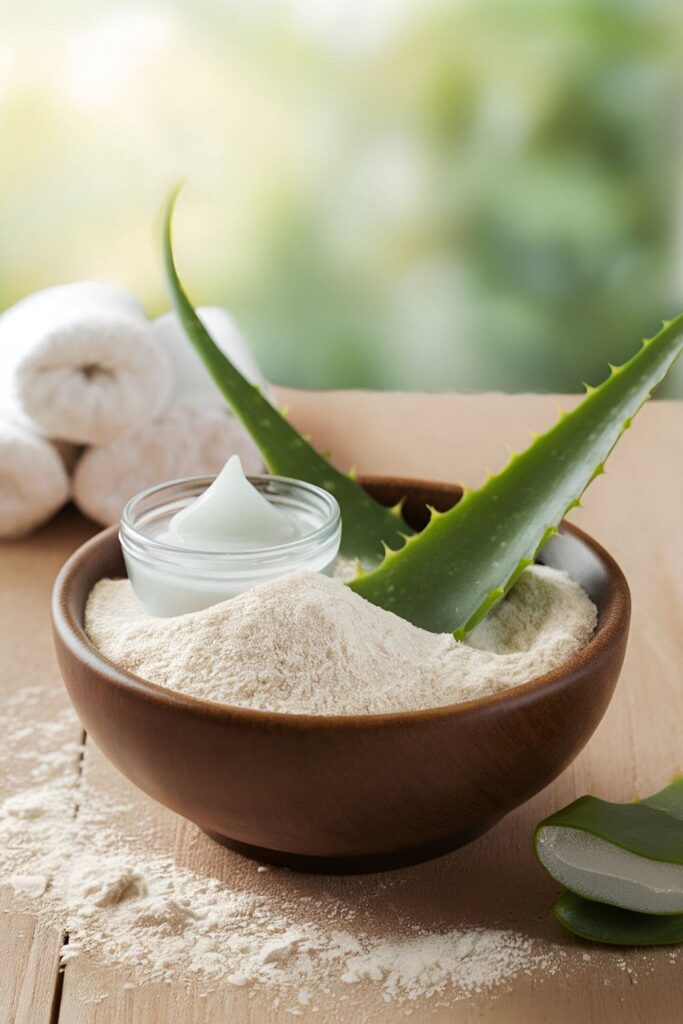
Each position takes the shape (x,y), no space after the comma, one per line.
(602,923)
(626,855)
(367,526)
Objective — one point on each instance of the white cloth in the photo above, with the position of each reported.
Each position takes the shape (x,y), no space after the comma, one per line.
(34,482)
(194,436)
(80,362)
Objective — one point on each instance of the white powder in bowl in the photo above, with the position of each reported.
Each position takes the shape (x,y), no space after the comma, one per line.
(307,644)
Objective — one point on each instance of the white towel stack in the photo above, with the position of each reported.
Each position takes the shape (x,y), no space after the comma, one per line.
(194,436)
(81,364)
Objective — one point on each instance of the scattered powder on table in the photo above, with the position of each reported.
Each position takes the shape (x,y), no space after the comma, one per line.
(306,643)
(121,897)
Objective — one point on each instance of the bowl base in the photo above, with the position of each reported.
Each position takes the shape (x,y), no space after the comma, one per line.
(353,865)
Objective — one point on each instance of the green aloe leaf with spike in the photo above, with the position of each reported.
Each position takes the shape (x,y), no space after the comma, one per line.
(446,578)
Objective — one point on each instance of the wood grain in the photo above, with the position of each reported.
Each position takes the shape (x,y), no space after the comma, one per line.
(29,953)
(635,510)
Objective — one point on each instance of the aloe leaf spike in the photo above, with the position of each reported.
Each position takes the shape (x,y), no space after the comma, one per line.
(366,525)
(449,576)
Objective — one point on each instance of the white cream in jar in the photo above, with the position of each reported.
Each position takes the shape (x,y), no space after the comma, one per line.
(191,543)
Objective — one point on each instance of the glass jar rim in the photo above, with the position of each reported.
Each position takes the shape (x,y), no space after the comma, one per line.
(132,534)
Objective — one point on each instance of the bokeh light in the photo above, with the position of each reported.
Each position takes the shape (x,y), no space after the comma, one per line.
(458,195)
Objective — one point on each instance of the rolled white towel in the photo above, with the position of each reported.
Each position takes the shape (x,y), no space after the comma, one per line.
(192,438)
(189,372)
(34,482)
(81,363)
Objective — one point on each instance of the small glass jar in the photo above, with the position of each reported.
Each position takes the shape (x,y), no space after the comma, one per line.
(172,580)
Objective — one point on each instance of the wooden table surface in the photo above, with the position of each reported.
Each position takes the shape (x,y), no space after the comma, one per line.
(636,512)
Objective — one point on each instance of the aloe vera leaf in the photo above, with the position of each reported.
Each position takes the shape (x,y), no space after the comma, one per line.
(627,855)
(447,577)
(613,925)
(366,525)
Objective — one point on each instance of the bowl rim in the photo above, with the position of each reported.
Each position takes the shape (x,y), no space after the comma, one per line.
(610,631)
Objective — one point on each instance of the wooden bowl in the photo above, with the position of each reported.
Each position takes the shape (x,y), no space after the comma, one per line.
(346,793)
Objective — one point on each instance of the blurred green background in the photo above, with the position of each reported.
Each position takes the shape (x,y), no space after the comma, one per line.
(442,196)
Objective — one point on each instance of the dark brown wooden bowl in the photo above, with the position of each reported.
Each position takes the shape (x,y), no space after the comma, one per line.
(346,793)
